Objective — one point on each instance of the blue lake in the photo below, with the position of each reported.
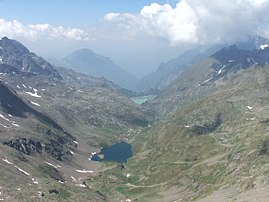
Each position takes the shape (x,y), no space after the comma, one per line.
(119,152)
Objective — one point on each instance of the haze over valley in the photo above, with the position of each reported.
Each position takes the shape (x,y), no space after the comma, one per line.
(134,100)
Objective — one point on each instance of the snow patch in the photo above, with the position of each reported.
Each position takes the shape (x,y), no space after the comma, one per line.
(249,107)
(23,171)
(1,60)
(54,166)
(18,87)
(264,46)
(84,171)
(39,193)
(43,89)
(1,116)
(73,179)
(72,152)
(3,125)
(34,181)
(81,185)
(75,141)
(14,124)
(7,161)
(219,72)
(34,103)
(128,175)
(23,85)
(206,81)
(33,94)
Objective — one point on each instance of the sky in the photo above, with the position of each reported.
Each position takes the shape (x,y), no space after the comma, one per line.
(136,34)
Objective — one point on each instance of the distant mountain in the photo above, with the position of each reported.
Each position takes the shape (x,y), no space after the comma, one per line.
(169,71)
(16,55)
(88,62)
(255,42)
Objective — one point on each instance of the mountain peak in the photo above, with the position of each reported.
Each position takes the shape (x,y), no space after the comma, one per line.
(89,62)
(16,55)
(10,45)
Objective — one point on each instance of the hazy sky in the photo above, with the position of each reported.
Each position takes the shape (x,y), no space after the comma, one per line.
(135,34)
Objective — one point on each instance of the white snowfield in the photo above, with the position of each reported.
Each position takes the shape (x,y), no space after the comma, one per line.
(14,124)
(84,171)
(73,179)
(55,166)
(1,116)
(263,46)
(219,72)
(23,171)
(81,185)
(3,125)
(33,94)
(35,103)
(7,161)
(8,120)
(34,181)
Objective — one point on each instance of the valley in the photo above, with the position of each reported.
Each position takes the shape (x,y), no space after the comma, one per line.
(203,138)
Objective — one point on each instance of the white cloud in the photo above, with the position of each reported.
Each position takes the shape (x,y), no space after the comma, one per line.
(197,21)
(16,29)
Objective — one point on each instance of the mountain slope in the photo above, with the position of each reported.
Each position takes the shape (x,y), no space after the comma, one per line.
(14,54)
(51,124)
(214,147)
(193,83)
(88,62)
(169,71)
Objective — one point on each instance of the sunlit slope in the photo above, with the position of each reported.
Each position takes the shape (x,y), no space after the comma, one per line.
(216,144)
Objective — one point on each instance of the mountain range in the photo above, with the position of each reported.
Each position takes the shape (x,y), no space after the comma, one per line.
(167,72)
(50,122)
(204,138)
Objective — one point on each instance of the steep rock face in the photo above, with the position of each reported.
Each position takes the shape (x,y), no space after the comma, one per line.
(14,54)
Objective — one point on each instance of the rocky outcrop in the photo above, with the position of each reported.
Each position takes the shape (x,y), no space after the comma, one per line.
(29,146)
(25,145)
